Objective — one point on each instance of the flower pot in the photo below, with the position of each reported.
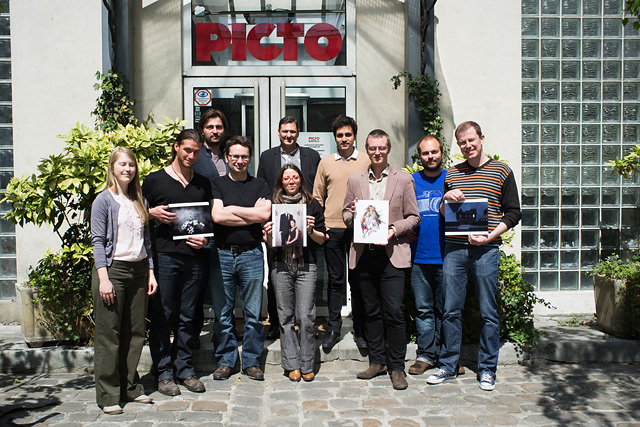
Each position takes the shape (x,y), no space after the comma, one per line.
(34,332)
(609,305)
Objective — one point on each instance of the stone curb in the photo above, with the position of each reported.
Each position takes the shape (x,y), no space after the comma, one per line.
(556,344)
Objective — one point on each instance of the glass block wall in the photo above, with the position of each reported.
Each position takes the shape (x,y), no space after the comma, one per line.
(7,230)
(580,109)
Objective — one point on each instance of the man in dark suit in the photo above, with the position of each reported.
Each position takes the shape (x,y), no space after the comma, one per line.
(378,270)
(271,161)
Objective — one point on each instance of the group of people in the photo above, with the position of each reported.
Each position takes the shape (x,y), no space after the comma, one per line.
(208,165)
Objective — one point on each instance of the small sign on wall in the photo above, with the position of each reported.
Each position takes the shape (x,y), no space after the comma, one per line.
(319,141)
(202,98)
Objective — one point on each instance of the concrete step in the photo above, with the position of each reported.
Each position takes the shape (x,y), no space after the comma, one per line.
(557,343)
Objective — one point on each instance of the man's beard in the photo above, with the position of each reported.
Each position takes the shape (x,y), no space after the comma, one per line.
(432,168)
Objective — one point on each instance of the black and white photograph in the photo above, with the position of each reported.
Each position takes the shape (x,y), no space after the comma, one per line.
(289,225)
(468,217)
(194,219)
(371,221)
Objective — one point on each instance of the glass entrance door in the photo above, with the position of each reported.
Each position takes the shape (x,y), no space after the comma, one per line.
(314,101)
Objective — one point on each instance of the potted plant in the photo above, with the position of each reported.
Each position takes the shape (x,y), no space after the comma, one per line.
(616,288)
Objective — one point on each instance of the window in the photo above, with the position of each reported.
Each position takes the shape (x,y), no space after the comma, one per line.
(580,110)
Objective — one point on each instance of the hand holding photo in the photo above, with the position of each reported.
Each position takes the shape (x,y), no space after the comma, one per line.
(371,222)
(464,218)
(194,219)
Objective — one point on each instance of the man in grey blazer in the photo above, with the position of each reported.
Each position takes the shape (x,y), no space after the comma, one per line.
(378,270)
(271,161)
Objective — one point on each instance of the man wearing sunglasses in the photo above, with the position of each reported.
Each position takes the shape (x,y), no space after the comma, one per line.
(271,161)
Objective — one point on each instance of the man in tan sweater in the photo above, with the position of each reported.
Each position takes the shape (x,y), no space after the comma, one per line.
(329,189)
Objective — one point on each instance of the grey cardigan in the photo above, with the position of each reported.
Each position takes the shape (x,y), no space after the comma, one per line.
(104,230)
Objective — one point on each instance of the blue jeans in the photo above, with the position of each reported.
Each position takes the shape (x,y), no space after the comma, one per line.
(481,264)
(179,278)
(246,271)
(426,284)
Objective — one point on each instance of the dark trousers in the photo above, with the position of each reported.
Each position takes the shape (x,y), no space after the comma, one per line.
(179,280)
(335,250)
(119,334)
(198,314)
(382,288)
(272,305)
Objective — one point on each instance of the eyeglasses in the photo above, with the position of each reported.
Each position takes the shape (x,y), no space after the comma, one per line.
(294,178)
(236,157)
(382,149)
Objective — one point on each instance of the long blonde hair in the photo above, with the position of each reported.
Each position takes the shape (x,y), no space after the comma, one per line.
(134,192)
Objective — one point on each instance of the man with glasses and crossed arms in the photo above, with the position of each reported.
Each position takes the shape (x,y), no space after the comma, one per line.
(240,204)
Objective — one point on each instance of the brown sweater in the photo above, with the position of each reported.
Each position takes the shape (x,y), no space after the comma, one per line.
(330,185)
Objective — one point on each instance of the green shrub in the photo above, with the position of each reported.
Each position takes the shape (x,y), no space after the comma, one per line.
(63,280)
(60,195)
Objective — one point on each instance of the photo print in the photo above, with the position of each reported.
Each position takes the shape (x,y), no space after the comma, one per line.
(289,225)
(464,218)
(371,222)
(194,219)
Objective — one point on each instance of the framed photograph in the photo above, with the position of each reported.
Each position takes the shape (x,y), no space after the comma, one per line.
(371,222)
(464,218)
(194,219)
(289,225)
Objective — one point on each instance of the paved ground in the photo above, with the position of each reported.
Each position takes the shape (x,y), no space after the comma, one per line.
(553,394)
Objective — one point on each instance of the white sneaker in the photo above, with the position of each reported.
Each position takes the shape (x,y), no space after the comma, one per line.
(440,377)
(487,382)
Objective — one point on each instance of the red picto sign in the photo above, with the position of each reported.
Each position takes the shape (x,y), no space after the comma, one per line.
(216,37)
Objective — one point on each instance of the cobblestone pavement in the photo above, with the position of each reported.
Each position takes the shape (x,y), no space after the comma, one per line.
(554,394)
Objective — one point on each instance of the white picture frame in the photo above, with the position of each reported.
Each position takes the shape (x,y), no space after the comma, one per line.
(285,213)
(371,222)
(194,219)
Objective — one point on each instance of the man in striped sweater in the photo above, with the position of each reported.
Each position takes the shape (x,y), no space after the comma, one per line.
(475,256)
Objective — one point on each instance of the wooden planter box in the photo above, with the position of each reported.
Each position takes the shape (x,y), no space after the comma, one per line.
(609,305)
(34,332)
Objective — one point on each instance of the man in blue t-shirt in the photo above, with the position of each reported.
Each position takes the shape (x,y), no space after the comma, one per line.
(427,251)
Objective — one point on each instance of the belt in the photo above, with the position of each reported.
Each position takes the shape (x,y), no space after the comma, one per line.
(237,249)
(373,247)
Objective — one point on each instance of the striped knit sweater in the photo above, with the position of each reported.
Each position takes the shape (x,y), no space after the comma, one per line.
(493,180)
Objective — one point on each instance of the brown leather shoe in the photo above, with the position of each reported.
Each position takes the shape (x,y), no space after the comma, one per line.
(419,367)
(168,388)
(372,371)
(193,384)
(308,377)
(222,373)
(254,372)
(461,370)
(294,375)
(399,380)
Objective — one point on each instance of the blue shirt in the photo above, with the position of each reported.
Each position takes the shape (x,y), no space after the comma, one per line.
(429,249)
